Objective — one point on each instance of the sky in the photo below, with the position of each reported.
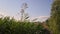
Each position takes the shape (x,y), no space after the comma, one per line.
(36,8)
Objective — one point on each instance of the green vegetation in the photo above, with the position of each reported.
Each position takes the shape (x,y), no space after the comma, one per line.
(54,20)
(11,26)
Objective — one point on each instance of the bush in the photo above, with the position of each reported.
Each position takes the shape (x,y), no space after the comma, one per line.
(11,26)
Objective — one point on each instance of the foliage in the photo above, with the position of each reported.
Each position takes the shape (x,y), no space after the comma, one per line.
(11,26)
(54,20)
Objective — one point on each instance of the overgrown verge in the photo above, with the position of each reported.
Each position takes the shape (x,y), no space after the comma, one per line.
(11,26)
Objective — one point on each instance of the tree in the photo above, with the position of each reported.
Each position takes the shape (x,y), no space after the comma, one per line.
(54,20)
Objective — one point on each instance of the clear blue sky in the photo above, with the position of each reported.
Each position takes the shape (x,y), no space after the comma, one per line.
(35,7)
